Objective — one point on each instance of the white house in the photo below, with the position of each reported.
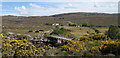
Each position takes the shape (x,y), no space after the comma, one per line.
(55,24)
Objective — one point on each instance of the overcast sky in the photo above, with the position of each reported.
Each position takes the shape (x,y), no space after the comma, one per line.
(51,7)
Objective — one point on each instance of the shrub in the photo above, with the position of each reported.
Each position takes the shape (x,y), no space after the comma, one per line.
(72,25)
(110,46)
(68,34)
(97,31)
(84,25)
(84,38)
(59,31)
(48,24)
(99,37)
(19,48)
(118,36)
(113,32)
(106,32)
(95,50)
(119,26)
(62,25)
(74,46)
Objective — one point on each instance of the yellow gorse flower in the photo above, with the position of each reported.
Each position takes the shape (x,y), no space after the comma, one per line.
(74,46)
(1,35)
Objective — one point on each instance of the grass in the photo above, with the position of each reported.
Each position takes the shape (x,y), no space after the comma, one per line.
(102,29)
(79,31)
(20,31)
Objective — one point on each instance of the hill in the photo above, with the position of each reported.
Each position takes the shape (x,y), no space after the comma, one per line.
(37,22)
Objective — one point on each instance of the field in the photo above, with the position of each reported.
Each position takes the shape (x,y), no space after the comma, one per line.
(77,31)
(64,39)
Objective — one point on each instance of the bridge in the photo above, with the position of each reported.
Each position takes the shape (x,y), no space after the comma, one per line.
(52,39)
(60,37)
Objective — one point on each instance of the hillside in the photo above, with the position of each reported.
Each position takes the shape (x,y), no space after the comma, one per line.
(37,22)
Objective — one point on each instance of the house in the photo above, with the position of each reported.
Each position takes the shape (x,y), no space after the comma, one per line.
(55,24)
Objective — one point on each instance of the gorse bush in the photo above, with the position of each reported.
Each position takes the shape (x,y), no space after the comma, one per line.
(95,50)
(74,46)
(22,48)
(90,45)
(110,46)
(99,37)
(84,38)
(19,48)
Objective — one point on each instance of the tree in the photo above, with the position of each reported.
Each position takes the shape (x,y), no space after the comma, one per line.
(113,32)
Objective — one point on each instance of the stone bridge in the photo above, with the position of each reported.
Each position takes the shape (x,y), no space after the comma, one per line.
(52,40)
(58,39)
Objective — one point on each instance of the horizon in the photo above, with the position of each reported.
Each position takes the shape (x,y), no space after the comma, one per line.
(66,13)
(53,8)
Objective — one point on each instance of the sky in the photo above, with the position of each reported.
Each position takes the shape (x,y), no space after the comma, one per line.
(51,7)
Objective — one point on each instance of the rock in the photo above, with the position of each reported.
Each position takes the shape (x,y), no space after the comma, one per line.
(91,42)
(109,54)
(10,33)
(18,34)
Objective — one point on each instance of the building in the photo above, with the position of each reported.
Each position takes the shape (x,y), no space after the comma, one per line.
(55,24)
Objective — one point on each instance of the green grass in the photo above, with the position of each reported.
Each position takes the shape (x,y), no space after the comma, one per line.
(102,29)
(77,32)
(21,31)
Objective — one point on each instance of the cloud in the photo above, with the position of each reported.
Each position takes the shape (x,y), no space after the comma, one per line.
(22,10)
(70,4)
(36,6)
(11,14)
(60,0)
(36,9)
(60,8)
(0,5)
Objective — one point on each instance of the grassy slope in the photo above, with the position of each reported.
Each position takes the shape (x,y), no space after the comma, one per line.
(78,31)
(23,24)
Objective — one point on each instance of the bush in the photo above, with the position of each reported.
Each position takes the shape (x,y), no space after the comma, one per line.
(110,46)
(95,50)
(106,32)
(72,25)
(84,25)
(113,32)
(48,24)
(97,31)
(119,26)
(59,31)
(19,48)
(22,48)
(74,46)
(84,38)
(99,37)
